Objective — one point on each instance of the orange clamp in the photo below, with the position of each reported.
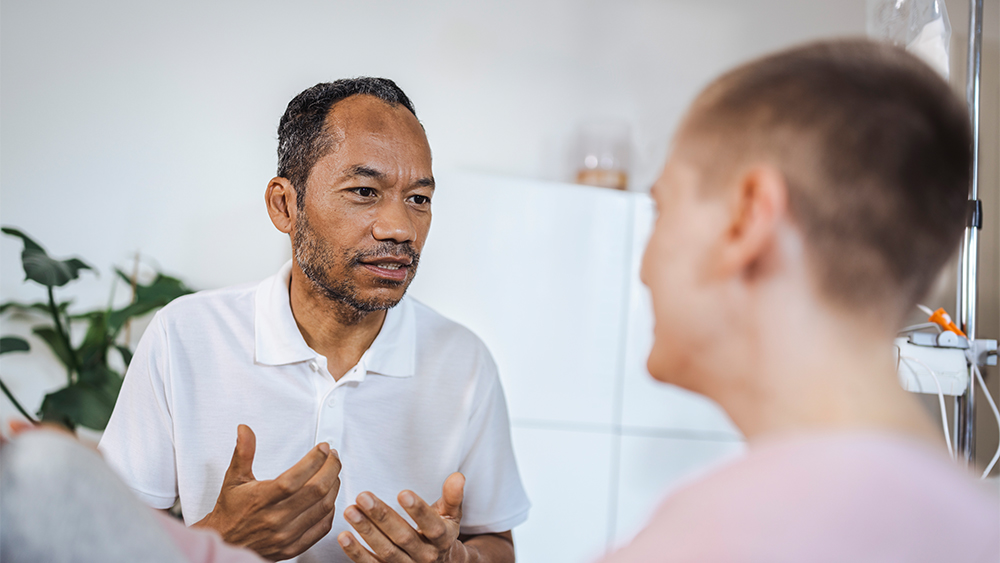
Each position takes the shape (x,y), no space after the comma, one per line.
(941,318)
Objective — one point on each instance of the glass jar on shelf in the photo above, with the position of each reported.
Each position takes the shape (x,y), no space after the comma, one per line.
(602,153)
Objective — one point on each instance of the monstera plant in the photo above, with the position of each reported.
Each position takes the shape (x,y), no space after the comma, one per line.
(92,384)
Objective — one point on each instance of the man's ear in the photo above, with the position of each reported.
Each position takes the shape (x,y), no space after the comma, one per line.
(281,206)
(757,207)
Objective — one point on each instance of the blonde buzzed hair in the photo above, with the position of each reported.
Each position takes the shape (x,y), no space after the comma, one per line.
(876,152)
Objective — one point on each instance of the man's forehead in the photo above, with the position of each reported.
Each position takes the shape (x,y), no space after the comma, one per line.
(365,112)
(362,126)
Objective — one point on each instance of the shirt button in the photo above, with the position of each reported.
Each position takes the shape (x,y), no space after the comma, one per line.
(313,365)
(331,402)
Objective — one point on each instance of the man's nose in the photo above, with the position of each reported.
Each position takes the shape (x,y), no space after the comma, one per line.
(394,223)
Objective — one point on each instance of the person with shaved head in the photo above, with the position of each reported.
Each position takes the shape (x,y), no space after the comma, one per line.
(809,200)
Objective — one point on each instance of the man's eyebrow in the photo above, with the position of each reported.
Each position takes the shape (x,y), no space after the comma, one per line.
(424,183)
(360,170)
(363,171)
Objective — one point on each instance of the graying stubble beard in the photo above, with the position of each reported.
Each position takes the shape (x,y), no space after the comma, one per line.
(315,261)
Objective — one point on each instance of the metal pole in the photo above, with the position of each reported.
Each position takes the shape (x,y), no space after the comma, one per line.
(967,286)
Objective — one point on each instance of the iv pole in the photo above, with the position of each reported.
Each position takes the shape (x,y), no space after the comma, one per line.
(967,271)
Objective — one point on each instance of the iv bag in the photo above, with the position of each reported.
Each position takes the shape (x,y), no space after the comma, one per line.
(921,26)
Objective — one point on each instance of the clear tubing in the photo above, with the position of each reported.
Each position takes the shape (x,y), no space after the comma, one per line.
(996,414)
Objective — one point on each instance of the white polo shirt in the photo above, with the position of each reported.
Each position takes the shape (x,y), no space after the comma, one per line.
(424,401)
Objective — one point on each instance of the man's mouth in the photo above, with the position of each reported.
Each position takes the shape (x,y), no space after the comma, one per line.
(393,268)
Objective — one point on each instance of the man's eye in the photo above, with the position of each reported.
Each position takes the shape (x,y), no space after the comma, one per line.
(365,192)
(420,199)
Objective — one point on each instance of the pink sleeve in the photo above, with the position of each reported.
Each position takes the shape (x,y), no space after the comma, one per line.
(204,546)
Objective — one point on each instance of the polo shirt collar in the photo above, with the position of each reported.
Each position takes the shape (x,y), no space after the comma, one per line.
(277,340)
(394,351)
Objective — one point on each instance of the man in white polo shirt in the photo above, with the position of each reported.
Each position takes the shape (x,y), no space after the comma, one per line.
(325,377)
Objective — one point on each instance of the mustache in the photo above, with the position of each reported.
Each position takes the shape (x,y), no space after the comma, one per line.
(386,249)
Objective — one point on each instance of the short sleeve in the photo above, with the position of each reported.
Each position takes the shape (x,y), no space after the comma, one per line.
(495,500)
(138,442)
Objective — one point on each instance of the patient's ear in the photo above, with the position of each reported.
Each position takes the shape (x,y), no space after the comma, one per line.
(280,199)
(757,207)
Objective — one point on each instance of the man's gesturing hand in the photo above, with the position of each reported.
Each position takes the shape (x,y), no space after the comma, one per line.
(394,540)
(282,518)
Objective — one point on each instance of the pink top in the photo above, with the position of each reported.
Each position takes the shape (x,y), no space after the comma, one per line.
(837,497)
(204,546)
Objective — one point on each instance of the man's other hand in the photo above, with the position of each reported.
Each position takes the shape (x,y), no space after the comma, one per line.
(393,539)
(281,518)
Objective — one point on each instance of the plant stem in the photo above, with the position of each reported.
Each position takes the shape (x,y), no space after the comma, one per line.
(74,367)
(17,404)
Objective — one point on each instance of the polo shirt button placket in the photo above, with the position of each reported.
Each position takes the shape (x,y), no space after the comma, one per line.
(329,429)
(331,418)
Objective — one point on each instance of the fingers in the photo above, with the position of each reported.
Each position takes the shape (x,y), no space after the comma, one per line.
(353,549)
(241,466)
(319,461)
(390,536)
(328,476)
(431,525)
(316,501)
(320,517)
(452,493)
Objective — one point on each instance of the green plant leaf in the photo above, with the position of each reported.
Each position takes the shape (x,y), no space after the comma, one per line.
(125,277)
(161,291)
(88,315)
(81,404)
(39,308)
(126,354)
(28,243)
(49,271)
(98,376)
(94,348)
(51,337)
(13,344)
(41,268)
(112,386)
(118,317)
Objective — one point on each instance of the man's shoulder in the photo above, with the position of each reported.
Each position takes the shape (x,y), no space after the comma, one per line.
(443,342)
(200,306)
(432,325)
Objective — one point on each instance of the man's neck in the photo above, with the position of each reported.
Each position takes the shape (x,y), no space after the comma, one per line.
(332,328)
(823,372)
